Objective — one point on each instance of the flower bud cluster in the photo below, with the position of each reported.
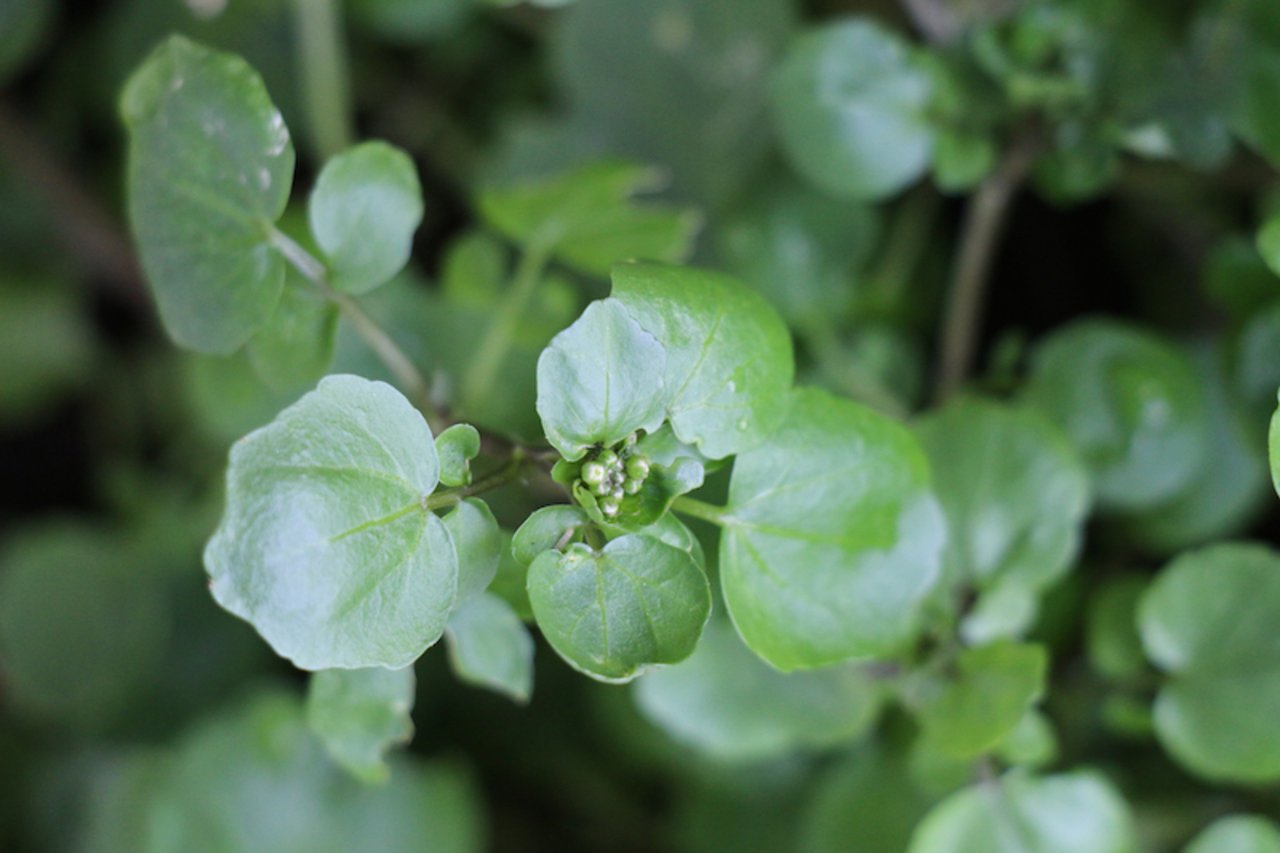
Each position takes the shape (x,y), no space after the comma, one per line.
(611,475)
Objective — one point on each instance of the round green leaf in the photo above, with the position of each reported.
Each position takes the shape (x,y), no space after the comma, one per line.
(866,801)
(728,354)
(359,714)
(543,529)
(724,701)
(1111,631)
(490,647)
(1237,834)
(478,544)
(831,537)
(295,348)
(1013,490)
(600,380)
(210,168)
(326,547)
(992,689)
(849,104)
(364,210)
(615,612)
(1021,813)
(1209,621)
(1131,404)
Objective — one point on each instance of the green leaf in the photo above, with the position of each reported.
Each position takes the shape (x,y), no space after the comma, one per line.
(359,714)
(727,703)
(585,218)
(1111,629)
(511,581)
(46,346)
(210,167)
(1069,811)
(1131,404)
(1013,490)
(831,537)
(364,210)
(478,544)
(866,801)
(295,348)
(614,612)
(600,380)
(799,249)
(81,630)
(255,778)
(728,354)
(1209,622)
(1031,743)
(491,648)
(992,689)
(849,103)
(456,446)
(543,530)
(326,547)
(1237,834)
(1269,243)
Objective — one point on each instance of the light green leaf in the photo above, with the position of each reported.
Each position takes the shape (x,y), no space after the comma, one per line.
(490,647)
(1014,492)
(600,380)
(1031,743)
(359,714)
(866,801)
(326,547)
(831,537)
(1080,810)
(210,167)
(585,218)
(81,631)
(255,778)
(615,612)
(543,530)
(992,689)
(1131,404)
(1269,243)
(1209,621)
(478,544)
(728,354)
(364,210)
(456,446)
(849,103)
(727,703)
(1237,834)
(295,348)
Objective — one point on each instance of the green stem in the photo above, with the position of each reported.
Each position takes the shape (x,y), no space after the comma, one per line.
(322,68)
(700,509)
(501,477)
(411,380)
(497,340)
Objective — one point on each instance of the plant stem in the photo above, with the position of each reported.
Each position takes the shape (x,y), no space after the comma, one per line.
(984,221)
(415,385)
(322,68)
(700,509)
(497,338)
(501,477)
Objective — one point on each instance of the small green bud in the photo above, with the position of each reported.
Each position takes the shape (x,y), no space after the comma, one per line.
(632,486)
(593,473)
(610,506)
(607,458)
(638,467)
(616,494)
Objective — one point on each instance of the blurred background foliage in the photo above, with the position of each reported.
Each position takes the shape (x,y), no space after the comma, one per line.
(1150,137)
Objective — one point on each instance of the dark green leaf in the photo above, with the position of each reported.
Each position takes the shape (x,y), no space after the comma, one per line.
(359,714)
(326,547)
(832,539)
(615,612)
(1111,635)
(364,210)
(210,167)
